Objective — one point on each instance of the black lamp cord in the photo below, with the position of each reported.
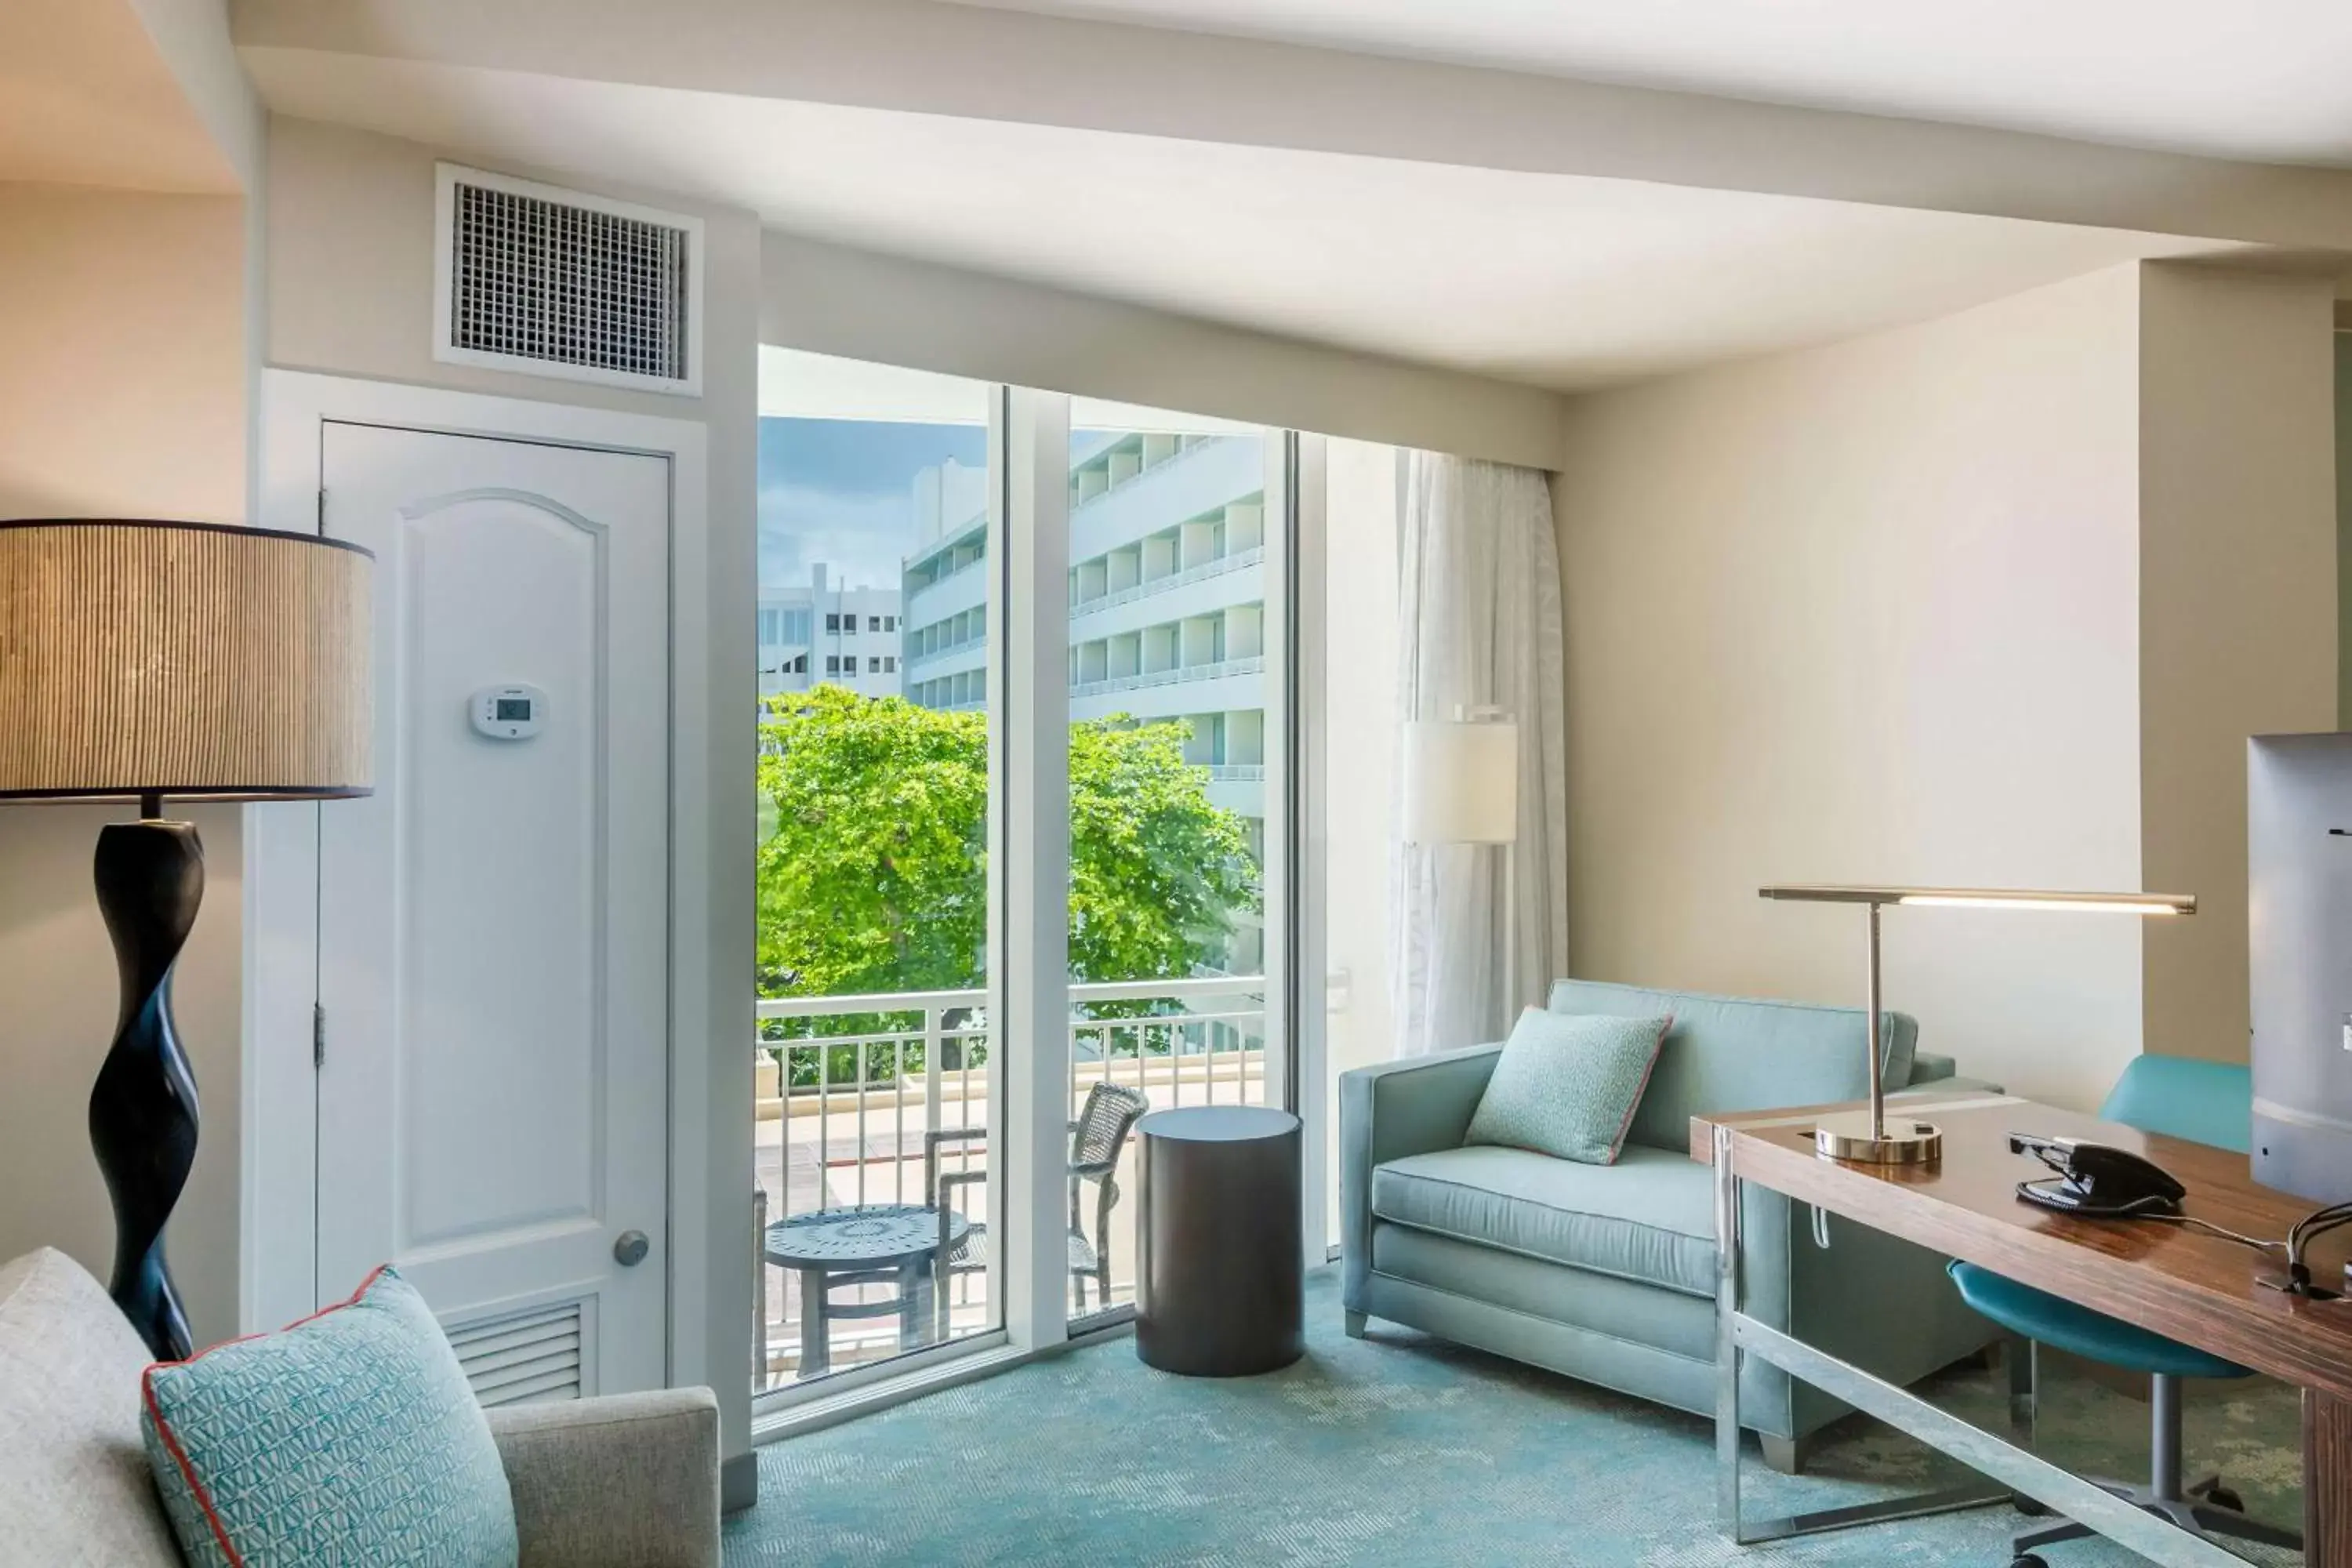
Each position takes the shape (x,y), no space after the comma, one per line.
(2300,1237)
(2297,1245)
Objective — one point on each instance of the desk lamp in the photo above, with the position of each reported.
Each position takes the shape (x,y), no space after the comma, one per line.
(1867,1134)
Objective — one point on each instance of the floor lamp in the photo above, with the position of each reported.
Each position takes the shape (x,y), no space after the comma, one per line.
(141,661)
(1867,1134)
(1462,786)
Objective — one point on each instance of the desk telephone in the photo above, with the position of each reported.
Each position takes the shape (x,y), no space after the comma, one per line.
(2096,1181)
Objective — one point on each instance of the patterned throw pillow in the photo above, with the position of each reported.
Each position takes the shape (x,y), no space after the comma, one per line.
(348,1439)
(1566,1084)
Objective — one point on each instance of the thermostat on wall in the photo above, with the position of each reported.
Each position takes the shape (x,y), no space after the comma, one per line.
(508,712)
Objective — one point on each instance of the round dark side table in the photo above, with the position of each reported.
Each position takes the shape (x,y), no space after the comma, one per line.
(1220,1283)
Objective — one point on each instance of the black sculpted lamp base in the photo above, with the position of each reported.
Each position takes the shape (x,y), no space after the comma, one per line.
(147,657)
(143,1110)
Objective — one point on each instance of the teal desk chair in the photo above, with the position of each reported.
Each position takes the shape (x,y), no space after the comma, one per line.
(2205,1102)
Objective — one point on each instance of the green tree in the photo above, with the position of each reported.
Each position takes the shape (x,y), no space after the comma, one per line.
(874,877)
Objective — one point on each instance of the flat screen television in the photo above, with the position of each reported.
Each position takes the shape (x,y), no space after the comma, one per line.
(2299,882)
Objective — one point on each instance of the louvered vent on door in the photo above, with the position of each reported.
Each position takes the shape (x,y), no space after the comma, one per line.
(518,1357)
(554,282)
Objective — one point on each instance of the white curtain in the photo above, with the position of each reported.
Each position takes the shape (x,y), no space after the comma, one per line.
(1479,612)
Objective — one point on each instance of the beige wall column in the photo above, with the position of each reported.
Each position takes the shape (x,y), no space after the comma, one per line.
(122,393)
(2238,612)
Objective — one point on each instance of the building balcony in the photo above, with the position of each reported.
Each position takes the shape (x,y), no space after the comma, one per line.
(1179,675)
(845,1120)
(1236,579)
(956,591)
(1194,481)
(924,661)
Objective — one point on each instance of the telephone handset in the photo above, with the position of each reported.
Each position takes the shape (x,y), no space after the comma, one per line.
(2096,1181)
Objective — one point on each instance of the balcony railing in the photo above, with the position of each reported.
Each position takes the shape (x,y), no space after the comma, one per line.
(1217,669)
(1218,567)
(844,1118)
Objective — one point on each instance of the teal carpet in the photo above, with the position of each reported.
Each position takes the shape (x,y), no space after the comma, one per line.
(1402,1450)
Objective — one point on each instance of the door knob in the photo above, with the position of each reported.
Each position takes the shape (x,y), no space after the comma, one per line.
(630,1248)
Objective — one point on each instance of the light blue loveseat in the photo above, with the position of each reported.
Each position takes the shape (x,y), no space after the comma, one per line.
(1607,1273)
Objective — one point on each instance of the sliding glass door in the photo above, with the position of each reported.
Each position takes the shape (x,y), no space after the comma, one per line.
(1175,529)
(875,1070)
(1026,842)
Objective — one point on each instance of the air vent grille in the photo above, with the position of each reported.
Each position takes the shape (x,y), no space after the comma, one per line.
(562,284)
(520,1357)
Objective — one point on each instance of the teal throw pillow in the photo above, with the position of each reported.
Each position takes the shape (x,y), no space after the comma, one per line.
(1566,1084)
(349,1441)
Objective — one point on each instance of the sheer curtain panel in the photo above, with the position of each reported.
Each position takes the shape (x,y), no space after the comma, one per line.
(1479,604)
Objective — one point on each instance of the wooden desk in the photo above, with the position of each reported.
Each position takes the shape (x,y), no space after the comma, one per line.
(2189,1286)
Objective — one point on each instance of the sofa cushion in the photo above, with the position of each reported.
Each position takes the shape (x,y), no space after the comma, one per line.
(74,1486)
(1734,1053)
(351,1437)
(1566,1084)
(1649,1217)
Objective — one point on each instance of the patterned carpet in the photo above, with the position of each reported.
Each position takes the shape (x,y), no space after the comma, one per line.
(1402,1450)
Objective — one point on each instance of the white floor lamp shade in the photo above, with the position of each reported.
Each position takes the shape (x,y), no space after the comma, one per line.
(1460,781)
(1462,786)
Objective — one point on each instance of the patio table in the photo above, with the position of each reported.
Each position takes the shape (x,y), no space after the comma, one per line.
(866,1244)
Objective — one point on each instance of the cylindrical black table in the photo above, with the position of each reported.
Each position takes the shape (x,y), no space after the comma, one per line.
(1220,1285)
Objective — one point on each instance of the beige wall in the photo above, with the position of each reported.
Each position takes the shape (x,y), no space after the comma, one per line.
(1868,613)
(2237,604)
(2343,527)
(122,393)
(351,293)
(1993,600)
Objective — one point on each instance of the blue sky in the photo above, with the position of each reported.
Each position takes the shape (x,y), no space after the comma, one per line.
(841,492)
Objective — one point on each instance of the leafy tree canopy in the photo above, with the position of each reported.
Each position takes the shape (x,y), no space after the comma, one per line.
(875,878)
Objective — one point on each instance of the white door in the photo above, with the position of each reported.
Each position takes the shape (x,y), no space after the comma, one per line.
(493,921)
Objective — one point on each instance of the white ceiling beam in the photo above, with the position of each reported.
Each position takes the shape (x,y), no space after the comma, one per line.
(925,56)
(860,304)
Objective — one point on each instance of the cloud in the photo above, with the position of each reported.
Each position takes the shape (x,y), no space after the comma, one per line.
(862,538)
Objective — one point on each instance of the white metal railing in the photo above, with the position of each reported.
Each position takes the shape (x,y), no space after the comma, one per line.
(845,1119)
(978,639)
(1237,773)
(1150,586)
(1183,672)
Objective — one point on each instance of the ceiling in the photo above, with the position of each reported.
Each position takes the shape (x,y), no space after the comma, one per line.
(1560,281)
(86,100)
(2269,80)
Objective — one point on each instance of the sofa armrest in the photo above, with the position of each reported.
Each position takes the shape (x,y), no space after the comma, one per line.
(629,1481)
(1926,1065)
(1409,1107)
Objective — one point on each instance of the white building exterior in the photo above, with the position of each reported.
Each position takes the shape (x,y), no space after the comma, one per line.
(1167,599)
(824,633)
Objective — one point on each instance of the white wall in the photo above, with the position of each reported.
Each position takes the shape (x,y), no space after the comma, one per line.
(351,293)
(863,305)
(122,393)
(1869,613)
(1359,706)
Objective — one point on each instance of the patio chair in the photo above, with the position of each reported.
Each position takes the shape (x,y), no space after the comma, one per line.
(1096,1136)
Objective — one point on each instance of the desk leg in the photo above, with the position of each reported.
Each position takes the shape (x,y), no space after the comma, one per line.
(816,1349)
(2326,1480)
(1726,1352)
